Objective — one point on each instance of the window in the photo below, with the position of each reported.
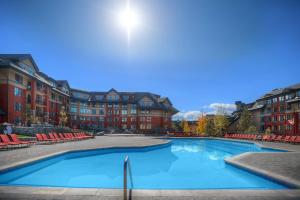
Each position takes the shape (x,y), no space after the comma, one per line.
(274,100)
(101,119)
(142,126)
(148,119)
(148,126)
(142,119)
(124,119)
(94,111)
(281,98)
(125,97)
(116,119)
(133,119)
(102,111)
(124,112)
(288,96)
(281,118)
(18,92)
(133,111)
(124,126)
(116,112)
(19,79)
(281,108)
(109,105)
(298,93)
(18,107)
(269,101)
(73,109)
(116,105)
(85,111)
(99,97)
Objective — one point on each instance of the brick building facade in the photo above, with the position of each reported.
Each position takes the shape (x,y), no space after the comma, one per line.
(278,110)
(29,96)
(142,111)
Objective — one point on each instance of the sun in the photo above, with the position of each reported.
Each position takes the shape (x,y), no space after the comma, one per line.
(129,19)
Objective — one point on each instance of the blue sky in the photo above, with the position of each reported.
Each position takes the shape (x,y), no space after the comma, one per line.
(195,52)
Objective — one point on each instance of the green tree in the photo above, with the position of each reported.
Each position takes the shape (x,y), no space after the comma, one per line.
(186,127)
(221,124)
(251,129)
(210,127)
(245,120)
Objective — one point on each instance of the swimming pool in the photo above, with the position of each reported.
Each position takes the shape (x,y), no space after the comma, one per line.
(182,164)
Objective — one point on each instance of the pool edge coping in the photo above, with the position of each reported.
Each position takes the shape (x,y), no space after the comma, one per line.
(273,177)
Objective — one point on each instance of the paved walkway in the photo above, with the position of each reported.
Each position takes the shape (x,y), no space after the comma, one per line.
(283,166)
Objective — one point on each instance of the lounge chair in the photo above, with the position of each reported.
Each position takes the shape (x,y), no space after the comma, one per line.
(297,140)
(54,138)
(61,138)
(287,138)
(7,141)
(41,139)
(292,139)
(15,138)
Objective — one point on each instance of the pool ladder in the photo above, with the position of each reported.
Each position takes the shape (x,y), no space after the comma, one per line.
(127,167)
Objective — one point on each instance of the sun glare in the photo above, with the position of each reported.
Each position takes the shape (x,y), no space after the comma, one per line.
(129,19)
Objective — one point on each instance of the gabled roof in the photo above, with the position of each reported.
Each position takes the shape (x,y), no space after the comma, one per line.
(15,58)
(280,91)
(62,83)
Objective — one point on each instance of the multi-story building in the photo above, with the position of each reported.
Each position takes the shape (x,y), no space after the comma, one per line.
(278,110)
(142,111)
(28,95)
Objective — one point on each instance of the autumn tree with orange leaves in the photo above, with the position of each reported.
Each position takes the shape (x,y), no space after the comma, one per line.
(201,125)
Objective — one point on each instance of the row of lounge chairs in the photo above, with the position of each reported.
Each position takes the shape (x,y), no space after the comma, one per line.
(185,135)
(51,138)
(12,141)
(266,138)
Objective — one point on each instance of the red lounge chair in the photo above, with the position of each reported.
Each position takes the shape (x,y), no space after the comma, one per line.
(44,136)
(292,139)
(3,145)
(297,140)
(76,135)
(61,138)
(67,135)
(41,139)
(15,138)
(278,138)
(271,138)
(54,138)
(7,141)
(287,138)
(265,137)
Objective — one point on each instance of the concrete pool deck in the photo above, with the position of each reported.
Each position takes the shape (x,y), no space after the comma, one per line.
(283,166)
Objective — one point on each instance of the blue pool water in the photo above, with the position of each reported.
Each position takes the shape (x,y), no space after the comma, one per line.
(183,164)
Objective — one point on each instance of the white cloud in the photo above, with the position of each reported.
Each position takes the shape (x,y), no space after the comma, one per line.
(222,107)
(189,115)
(212,108)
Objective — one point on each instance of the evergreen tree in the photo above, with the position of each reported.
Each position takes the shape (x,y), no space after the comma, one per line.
(245,120)
(210,127)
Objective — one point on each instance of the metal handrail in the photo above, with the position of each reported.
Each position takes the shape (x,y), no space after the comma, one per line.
(127,166)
